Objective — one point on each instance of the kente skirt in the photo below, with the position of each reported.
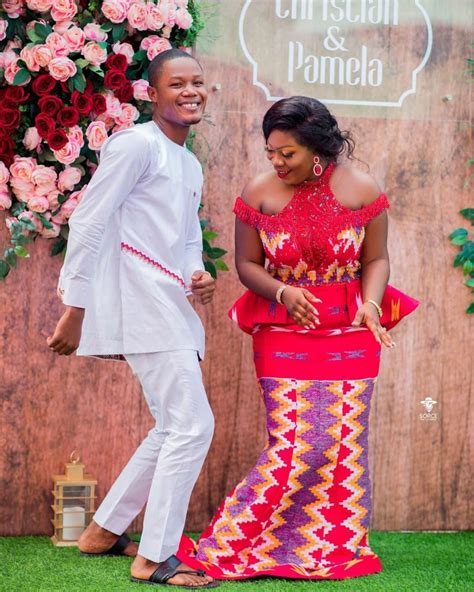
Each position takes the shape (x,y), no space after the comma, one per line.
(303,511)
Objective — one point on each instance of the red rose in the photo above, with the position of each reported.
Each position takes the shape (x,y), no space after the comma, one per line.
(6,150)
(50,105)
(15,95)
(57,139)
(117,61)
(89,88)
(82,102)
(68,117)
(125,92)
(99,104)
(114,79)
(9,119)
(45,125)
(43,84)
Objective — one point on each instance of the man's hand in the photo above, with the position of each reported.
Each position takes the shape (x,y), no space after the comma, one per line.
(203,286)
(67,334)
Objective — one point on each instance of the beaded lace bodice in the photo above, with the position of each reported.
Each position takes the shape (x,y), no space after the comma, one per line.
(314,239)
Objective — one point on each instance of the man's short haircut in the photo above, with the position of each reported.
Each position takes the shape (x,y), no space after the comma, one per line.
(156,65)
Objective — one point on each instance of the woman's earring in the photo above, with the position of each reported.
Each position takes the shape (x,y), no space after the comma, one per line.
(317,168)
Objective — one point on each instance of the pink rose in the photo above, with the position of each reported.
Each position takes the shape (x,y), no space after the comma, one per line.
(23,167)
(168,10)
(68,207)
(62,26)
(107,119)
(123,126)
(59,218)
(140,90)
(78,194)
(42,55)
(69,153)
(154,17)
(5,199)
(15,43)
(75,134)
(63,10)
(57,45)
(114,107)
(50,232)
(26,54)
(94,32)
(39,5)
(3,29)
(124,48)
(29,216)
(96,134)
(62,69)
(137,14)
(7,57)
(128,115)
(4,173)
(32,139)
(14,8)
(45,178)
(38,203)
(22,189)
(94,53)
(11,71)
(154,45)
(68,178)
(115,10)
(181,3)
(74,38)
(53,199)
(183,19)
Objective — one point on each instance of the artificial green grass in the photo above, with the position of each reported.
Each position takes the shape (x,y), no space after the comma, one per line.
(421,562)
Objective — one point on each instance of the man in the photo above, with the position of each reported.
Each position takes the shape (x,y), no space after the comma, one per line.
(134,254)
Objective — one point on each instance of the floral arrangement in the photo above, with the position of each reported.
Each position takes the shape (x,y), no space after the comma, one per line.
(72,72)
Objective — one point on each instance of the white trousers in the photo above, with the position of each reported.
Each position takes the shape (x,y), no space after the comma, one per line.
(164,468)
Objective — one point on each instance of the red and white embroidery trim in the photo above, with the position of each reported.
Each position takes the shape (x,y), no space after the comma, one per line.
(144,257)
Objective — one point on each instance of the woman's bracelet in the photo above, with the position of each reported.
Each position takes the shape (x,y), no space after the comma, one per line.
(377,306)
(279,293)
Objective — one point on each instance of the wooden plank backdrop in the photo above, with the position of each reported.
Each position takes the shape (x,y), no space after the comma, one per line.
(421,470)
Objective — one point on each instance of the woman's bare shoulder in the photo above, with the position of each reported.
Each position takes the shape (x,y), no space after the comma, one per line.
(363,187)
(255,190)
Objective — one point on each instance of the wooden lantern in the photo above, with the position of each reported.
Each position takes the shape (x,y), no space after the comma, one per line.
(74,503)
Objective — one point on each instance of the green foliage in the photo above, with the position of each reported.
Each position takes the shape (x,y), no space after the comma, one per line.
(465,256)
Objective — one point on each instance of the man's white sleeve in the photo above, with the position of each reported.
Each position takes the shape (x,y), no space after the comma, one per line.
(193,253)
(123,161)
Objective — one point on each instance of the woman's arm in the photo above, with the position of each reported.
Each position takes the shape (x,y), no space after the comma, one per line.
(250,264)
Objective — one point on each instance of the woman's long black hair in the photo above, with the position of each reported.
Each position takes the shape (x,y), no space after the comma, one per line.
(312,125)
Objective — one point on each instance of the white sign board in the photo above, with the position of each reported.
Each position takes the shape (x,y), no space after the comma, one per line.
(341,51)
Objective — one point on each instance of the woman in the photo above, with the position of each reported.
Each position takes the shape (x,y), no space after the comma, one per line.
(311,247)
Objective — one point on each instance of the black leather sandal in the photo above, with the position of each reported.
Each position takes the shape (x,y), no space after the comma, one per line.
(167,570)
(117,548)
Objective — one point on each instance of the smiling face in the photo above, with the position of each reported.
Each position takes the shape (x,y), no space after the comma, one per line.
(178,93)
(292,162)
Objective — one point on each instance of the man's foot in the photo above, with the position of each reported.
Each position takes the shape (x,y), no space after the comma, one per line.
(96,539)
(142,569)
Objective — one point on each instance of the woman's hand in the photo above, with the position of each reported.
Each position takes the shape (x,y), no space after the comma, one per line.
(203,286)
(368,315)
(67,335)
(298,304)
